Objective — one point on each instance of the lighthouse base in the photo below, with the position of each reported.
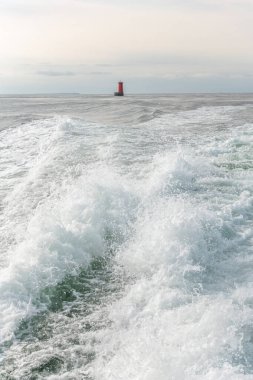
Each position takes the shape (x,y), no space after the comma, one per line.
(118,93)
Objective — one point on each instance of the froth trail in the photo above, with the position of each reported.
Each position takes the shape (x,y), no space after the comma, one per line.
(173,222)
(57,218)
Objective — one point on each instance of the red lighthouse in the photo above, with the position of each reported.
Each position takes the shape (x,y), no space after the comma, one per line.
(120,91)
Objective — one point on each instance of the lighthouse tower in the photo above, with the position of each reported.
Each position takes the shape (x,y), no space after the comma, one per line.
(120,91)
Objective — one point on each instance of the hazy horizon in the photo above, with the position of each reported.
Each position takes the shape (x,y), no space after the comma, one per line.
(126,94)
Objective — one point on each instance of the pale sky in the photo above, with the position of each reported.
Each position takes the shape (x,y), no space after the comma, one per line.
(156,46)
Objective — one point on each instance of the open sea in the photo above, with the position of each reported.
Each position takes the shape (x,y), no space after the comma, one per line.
(126,237)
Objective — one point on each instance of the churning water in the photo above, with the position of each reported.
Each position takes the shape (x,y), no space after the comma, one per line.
(126,244)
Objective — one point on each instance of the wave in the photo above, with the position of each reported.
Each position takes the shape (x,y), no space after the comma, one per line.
(179,235)
(188,313)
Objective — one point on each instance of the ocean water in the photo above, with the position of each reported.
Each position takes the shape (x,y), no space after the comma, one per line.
(126,237)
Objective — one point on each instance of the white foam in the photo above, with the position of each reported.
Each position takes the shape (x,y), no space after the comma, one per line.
(182,319)
(56,226)
(183,238)
(61,237)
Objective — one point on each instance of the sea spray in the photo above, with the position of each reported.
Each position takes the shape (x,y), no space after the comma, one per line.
(128,246)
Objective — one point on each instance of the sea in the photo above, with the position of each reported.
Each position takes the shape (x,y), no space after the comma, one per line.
(126,237)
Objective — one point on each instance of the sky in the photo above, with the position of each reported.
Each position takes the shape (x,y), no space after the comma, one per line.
(154,46)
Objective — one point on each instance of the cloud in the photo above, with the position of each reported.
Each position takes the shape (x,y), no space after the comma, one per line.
(69,73)
(190,4)
(52,73)
(158,38)
(99,73)
(28,4)
(31,7)
(104,64)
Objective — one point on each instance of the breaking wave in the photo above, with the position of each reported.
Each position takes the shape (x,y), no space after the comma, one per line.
(127,256)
